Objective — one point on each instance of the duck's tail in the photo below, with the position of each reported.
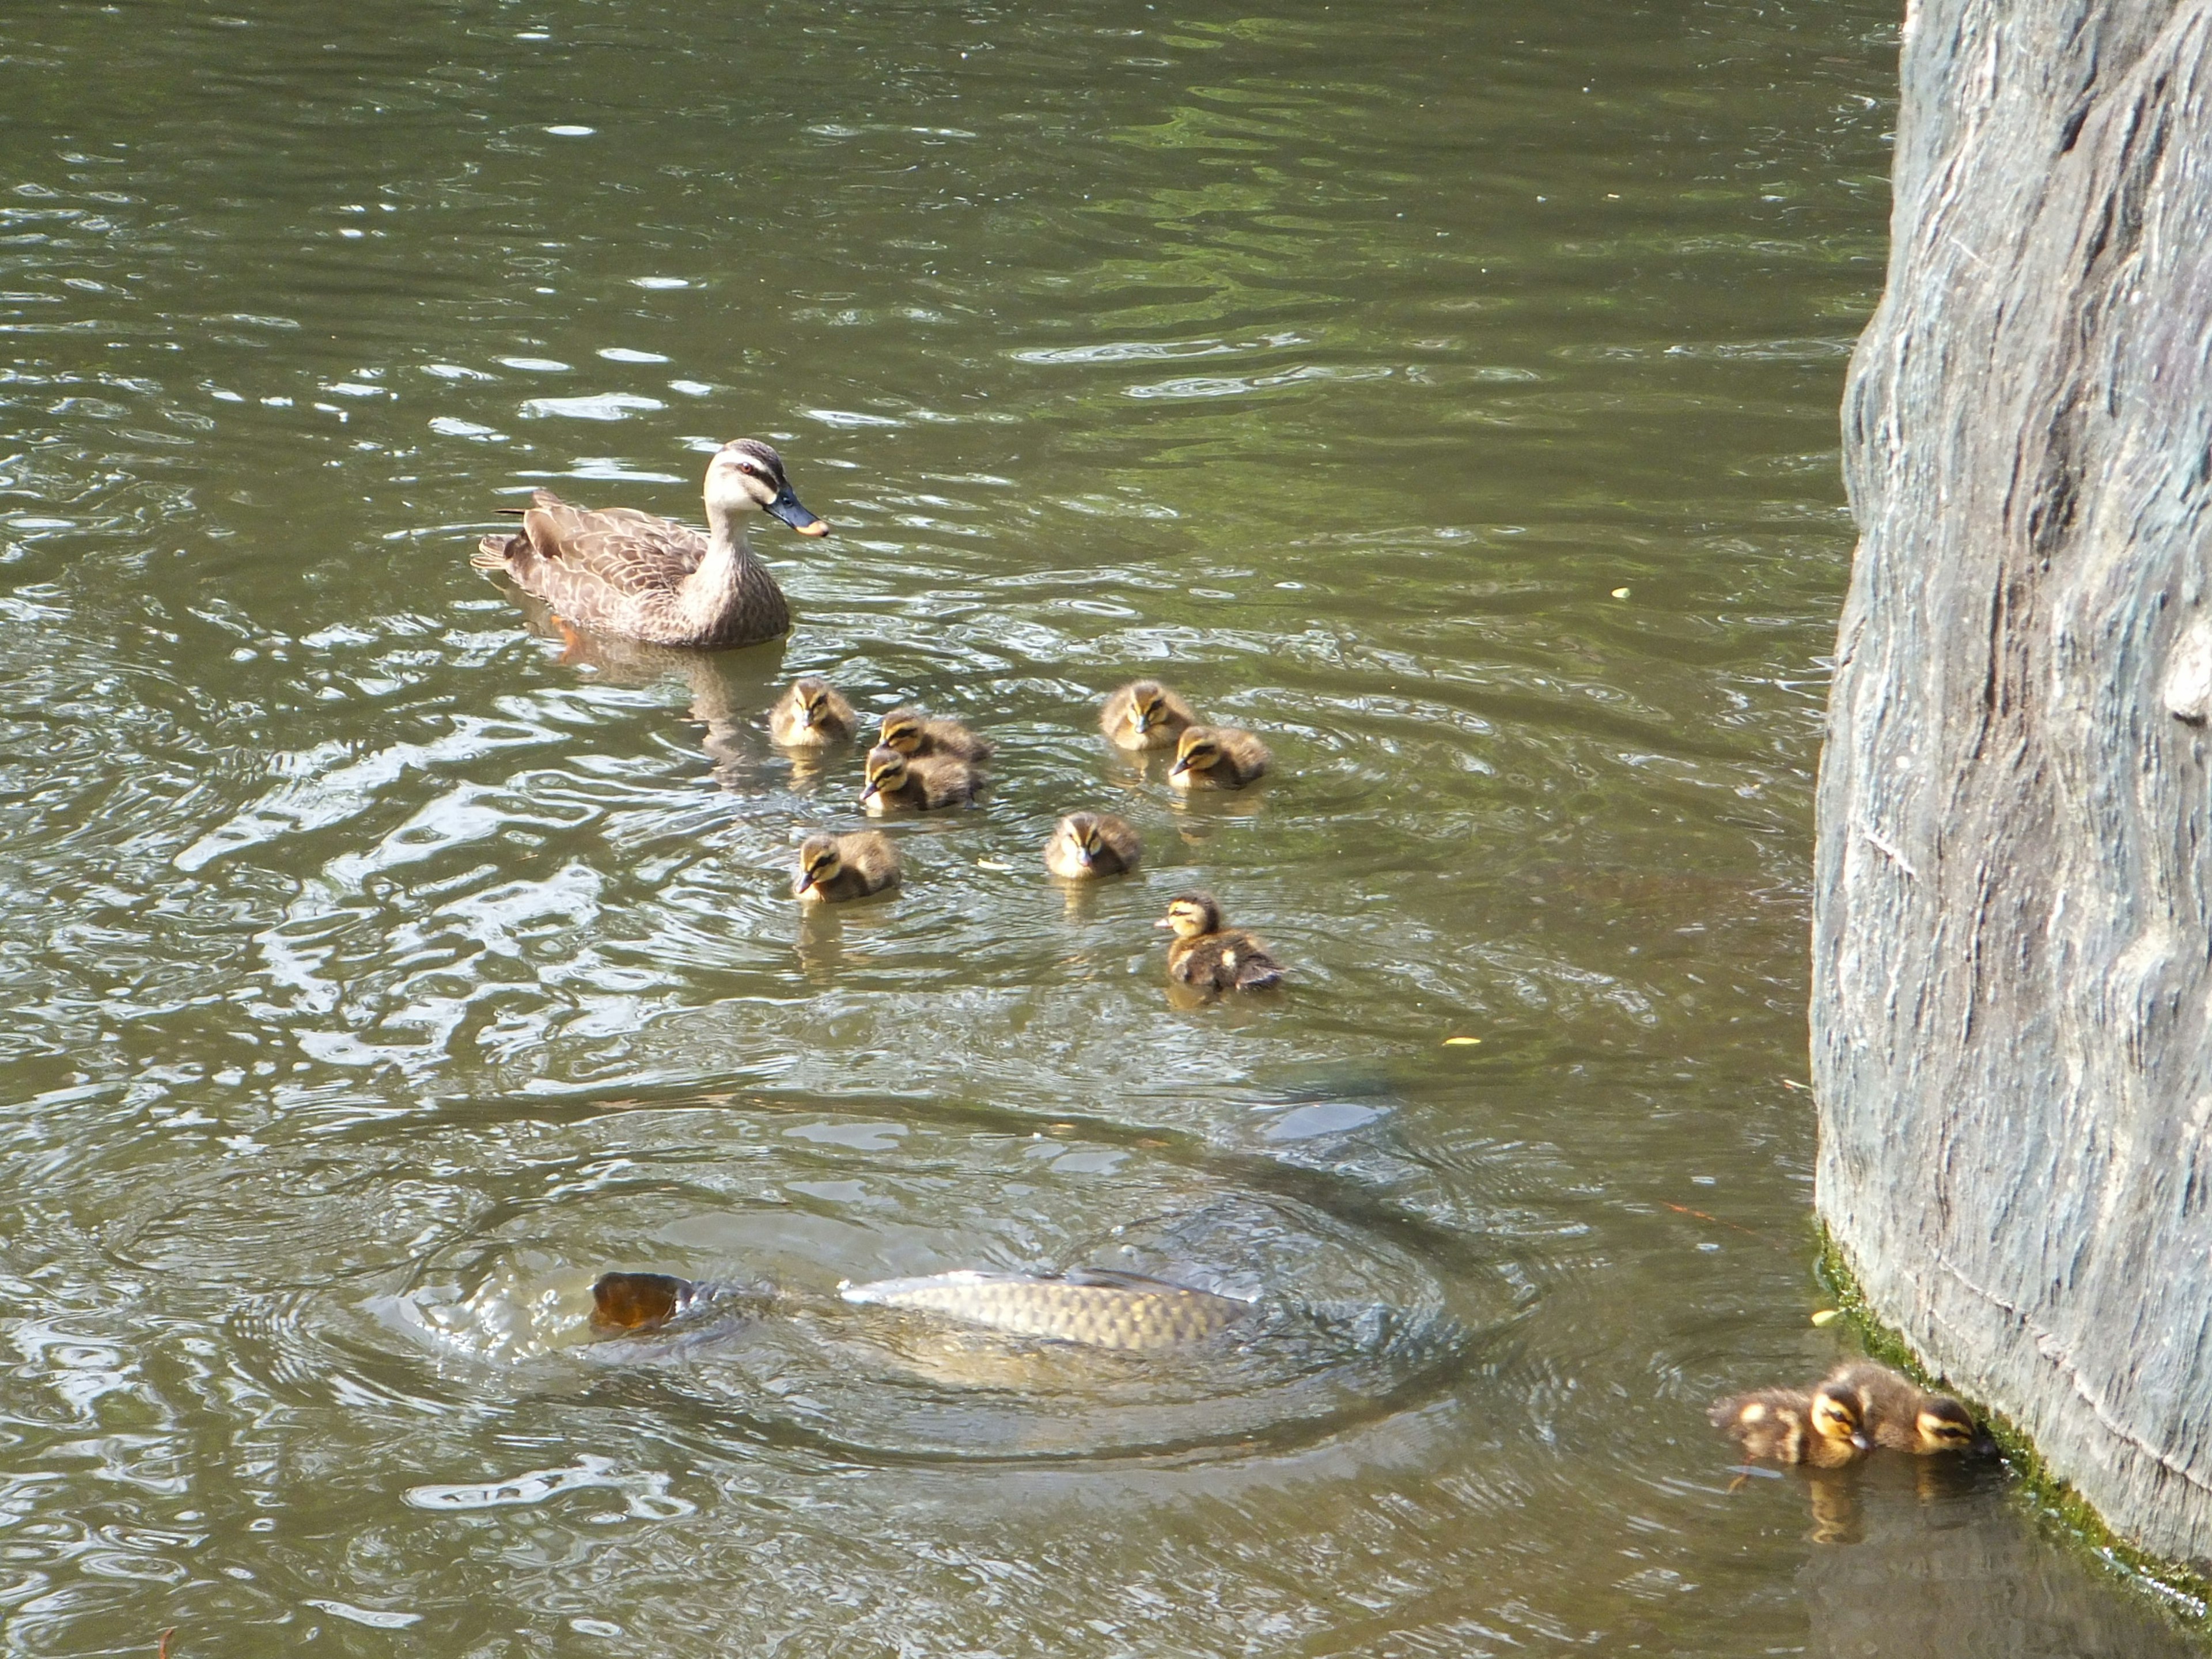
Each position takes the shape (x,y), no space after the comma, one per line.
(491,552)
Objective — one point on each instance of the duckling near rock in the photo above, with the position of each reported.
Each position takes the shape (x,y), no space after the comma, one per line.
(912,732)
(923,782)
(1206,954)
(809,715)
(831,868)
(1216,758)
(1092,844)
(1145,714)
(1824,1428)
(1903,1416)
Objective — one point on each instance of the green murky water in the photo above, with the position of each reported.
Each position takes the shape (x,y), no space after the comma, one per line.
(378,969)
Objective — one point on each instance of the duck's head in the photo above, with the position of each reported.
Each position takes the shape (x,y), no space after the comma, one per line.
(902,730)
(746,476)
(1190,914)
(819,863)
(1837,1415)
(886,771)
(812,696)
(1196,750)
(1085,835)
(1942,1424)
(1148,705)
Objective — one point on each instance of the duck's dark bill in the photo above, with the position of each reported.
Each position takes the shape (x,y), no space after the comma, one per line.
(786,508)
(632,1302)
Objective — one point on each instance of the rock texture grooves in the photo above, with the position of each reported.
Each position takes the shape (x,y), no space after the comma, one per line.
(2012,1006)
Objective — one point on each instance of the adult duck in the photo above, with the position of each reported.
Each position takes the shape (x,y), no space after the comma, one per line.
(617,570)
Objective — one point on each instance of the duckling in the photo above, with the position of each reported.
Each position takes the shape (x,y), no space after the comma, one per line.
(834,867)
(912,732)
(1092,844)
(1216,758)
(1145,714)
(925,782)
(811,714)
(1205,953)
(1903,1416)
(1825,1428)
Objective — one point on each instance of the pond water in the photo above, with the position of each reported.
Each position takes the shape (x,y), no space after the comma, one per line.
(1448,392)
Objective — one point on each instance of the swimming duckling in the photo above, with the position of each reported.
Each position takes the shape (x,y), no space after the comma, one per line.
(912,732)
(1145,714)
(1092,844)
(1825,1428)
(830,868)
(1216,758)
(1205,953)
(1903,1416)
(809,715)
(924,782)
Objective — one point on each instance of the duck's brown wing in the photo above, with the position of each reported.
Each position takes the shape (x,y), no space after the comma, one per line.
(618,550)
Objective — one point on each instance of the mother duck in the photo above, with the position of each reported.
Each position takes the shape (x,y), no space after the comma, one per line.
(617,570)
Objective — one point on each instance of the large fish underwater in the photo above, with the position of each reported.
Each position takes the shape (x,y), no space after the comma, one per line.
(1091,1307)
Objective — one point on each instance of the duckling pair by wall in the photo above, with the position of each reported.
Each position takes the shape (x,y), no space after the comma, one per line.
(1856,1407)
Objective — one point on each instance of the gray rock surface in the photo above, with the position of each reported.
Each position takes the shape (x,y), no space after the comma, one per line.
(2012,1003)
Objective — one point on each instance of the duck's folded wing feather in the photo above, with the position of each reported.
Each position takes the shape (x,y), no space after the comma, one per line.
(620,548)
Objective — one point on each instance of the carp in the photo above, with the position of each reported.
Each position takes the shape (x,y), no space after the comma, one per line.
(1089,1307)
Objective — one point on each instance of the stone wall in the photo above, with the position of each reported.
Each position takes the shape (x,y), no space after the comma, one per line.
(2012,1001)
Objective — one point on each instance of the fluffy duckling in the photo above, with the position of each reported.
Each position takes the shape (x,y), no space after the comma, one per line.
(924,782)
(912,732)
(1216,758)
(1825,1428)
(1092,844)
(1903,1416)
(830,868)
(1206,954)
(811,714)
(1145,714)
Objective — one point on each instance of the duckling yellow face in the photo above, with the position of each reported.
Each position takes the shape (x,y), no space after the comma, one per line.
(813,699)
(1081,830)
(1944,1425)
(1836,1415)
(818,865)
(1148,705)
(902,730)
(1198,751)
(1191,915)
(886,772)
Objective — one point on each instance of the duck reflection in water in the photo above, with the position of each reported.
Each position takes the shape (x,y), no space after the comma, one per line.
(726,688)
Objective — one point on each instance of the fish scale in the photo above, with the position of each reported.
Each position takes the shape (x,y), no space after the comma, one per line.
(1131,1316)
